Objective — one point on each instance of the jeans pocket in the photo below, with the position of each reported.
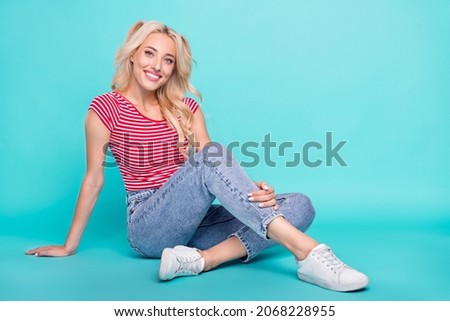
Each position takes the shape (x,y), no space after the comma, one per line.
(135,200)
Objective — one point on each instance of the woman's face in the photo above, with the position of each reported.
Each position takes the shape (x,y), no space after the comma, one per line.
(154,61)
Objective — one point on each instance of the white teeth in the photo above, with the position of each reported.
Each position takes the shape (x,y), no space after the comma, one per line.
(150,75)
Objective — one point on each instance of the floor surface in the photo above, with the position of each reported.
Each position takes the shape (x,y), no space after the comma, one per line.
(403,261)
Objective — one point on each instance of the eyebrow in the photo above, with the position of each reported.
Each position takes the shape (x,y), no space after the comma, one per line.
(168,54)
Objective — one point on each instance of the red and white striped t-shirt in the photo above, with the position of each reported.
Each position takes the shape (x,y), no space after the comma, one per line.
(145,150)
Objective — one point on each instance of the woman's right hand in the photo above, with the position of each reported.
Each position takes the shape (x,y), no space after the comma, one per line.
(51,250)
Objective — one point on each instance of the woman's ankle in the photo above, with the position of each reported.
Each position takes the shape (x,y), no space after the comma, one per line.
(208,259)
(303,251)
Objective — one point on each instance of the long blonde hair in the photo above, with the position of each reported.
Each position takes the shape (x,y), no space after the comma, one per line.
(170,95)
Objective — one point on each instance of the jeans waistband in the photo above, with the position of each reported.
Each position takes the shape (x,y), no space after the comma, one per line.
(139,194)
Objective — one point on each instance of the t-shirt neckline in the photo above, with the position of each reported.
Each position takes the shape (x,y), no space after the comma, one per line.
(134,107)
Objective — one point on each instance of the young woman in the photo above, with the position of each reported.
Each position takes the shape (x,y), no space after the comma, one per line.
(170,214)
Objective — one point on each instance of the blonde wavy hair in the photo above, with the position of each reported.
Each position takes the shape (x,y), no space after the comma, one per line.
(170,95)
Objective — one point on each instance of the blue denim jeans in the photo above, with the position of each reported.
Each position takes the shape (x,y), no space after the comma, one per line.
(181,211)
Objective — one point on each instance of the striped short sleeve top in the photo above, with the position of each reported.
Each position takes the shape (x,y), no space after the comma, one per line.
(145,150)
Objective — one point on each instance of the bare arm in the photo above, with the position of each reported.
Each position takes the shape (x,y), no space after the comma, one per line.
(97,138)
(199,129)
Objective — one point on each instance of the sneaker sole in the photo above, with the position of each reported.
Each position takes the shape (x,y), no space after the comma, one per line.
(165,265)
(338,287)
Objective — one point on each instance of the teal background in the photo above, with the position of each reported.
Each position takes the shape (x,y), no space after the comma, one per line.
(375,73)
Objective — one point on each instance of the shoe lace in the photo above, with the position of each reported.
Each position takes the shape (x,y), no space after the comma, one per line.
(328,258)
(188,264)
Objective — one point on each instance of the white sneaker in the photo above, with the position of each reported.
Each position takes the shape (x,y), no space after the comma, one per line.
(180,261)
(323,268)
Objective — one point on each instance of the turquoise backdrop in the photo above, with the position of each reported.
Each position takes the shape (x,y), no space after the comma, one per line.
(376,74)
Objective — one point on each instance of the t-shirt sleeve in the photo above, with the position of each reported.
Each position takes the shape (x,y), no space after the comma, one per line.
(106,107)
(192,104)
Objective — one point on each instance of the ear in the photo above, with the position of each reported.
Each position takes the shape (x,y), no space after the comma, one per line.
(132,58)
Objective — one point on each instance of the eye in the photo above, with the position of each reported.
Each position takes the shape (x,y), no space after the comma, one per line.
(169,61)
(149,53)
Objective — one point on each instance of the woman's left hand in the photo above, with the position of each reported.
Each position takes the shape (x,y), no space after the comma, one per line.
(265,196)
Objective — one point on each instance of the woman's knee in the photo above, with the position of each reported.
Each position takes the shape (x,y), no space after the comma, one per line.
(150,252)
(301,211)
(148,245)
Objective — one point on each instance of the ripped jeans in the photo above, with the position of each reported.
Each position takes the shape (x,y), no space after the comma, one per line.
(181,211)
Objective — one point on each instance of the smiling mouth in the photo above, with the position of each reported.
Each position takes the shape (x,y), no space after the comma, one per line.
(151,76)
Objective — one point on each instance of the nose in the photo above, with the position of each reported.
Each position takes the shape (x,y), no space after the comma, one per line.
(156,66)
